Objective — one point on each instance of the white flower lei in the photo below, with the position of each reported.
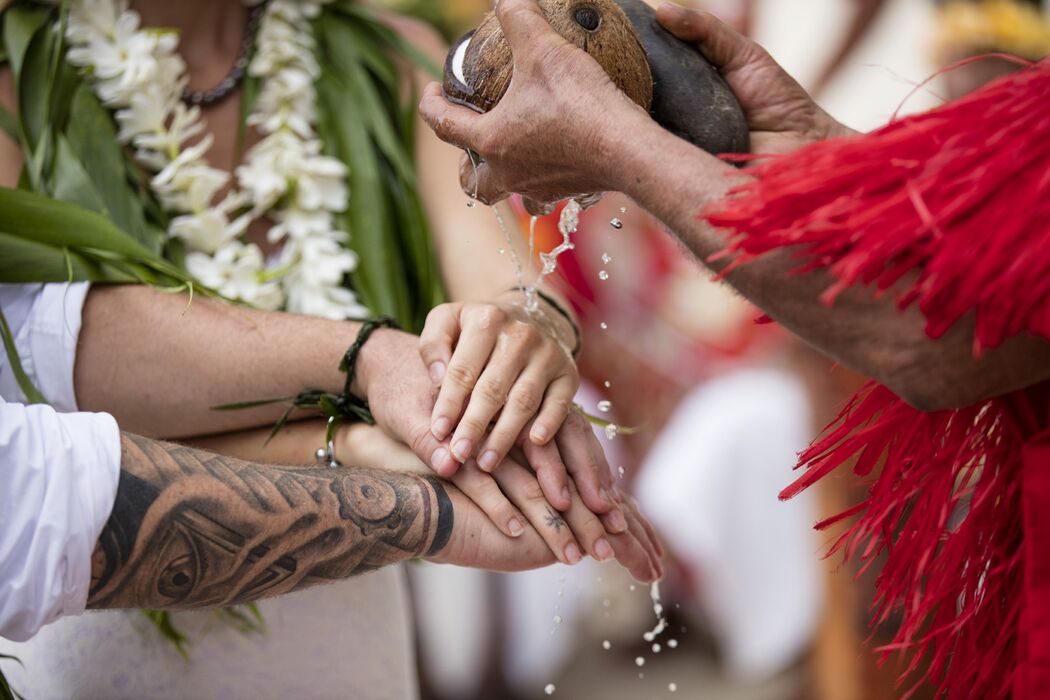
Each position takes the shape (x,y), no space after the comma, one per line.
(139,74)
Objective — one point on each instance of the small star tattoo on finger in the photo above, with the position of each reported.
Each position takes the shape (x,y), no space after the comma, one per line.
(554,520)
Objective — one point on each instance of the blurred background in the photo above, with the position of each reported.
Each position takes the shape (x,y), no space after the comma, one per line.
(722,403)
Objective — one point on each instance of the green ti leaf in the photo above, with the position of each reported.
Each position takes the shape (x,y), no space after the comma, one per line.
(32,394)
(6,691)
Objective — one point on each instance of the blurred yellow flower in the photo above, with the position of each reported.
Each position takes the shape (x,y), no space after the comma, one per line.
(965,27)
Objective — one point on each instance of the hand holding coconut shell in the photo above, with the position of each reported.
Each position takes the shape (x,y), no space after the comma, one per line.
(566,115)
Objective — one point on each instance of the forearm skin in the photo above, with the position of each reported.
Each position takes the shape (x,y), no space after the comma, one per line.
(191,529)
(160,363)
(673,180)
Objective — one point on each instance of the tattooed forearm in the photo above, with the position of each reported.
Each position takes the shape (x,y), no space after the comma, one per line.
(194,529)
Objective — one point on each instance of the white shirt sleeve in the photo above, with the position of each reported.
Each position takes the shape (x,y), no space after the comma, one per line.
(58,471)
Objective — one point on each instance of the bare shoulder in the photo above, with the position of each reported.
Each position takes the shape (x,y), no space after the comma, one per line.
(10,152)
(417,32)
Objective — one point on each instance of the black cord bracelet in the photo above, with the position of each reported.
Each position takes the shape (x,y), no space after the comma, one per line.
(553,303)
(349,363)
(335,407)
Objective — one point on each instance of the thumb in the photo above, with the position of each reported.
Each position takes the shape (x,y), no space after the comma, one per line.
(522,22)
(438,338)
(724,46)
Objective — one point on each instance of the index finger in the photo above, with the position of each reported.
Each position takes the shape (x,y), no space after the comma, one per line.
(452,123)
(522,22)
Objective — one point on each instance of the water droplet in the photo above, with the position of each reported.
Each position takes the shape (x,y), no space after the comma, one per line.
(557,619)
(623,210)
(656,648)
(502,251)
(549,689)
(673,687)
(658,609)
(608,384)
(616,224)
(632,587)
(639,661)
(471,203)
(605,406)
(672,643)
(611,431)
(604,326)
(606,603)
(603,275)
(606,258)
(607,645)
(641,676)
(648,636)
(621,471)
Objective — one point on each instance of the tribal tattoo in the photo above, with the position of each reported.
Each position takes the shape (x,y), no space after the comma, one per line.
(194,529)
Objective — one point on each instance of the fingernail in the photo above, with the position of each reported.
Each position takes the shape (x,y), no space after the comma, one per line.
(539,434)
(572,553)
(441,427)
(438,458)
(461,450)
(605,496)
(602,549)
(565,495)
(617,521)
(487,461)
(515,527)
(437,371)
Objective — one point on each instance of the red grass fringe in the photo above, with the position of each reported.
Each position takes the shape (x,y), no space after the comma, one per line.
(954,207)
(960,195)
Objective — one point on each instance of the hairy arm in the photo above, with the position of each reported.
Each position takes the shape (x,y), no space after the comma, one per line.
(192,529)
(564,127)
(159,364)
(673,179)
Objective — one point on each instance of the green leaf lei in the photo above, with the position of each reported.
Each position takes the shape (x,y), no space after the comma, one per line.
(82,210)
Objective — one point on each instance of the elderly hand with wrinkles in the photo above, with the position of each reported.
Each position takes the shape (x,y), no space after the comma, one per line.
(563,127)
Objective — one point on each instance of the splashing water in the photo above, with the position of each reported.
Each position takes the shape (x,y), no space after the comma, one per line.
(607,645)
(639,661)
(473,164)
(672,643)
(658,610)
(611,431)
(606,258)
(604,326)
(603,275)
(518,270)
(549,689)
(616,224)
(567,225)
(621,471)
(673,687)
(608,384)
(605,406)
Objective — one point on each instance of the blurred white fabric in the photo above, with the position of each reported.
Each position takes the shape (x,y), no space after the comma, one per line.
(710,486)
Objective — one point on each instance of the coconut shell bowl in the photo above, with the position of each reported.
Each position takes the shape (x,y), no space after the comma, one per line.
(666,76)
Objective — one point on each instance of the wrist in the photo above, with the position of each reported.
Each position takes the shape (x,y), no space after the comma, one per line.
(371,359)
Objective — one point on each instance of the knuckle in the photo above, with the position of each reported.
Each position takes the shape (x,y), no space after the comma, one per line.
(492,391)
(461,375)
(558,406)
(525,399)
(419,439)
(532,492)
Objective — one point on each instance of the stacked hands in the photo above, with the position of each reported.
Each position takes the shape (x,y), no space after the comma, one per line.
(484,399)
